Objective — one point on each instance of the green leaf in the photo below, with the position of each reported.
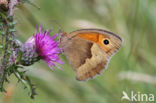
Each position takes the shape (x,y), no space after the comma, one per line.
(12,30)
(10,18)
(12,24)
(1,46)
(1,24)
(26,82)
(2,32)
(10,39)
(9,52)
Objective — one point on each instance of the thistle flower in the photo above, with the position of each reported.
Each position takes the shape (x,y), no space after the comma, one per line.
(46,48)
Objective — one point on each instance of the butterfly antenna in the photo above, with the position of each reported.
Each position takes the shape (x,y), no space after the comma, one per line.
(60,27)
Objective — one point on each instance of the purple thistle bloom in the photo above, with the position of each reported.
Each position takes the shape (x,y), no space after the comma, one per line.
(46,47)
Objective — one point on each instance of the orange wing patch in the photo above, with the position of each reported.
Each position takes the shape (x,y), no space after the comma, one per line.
(89,36)
(94,37)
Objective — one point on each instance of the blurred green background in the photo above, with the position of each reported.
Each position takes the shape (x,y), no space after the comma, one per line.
(133,68)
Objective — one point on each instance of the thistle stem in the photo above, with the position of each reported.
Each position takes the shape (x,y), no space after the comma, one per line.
(5,56)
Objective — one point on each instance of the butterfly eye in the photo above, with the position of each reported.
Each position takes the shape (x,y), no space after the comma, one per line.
(106,42)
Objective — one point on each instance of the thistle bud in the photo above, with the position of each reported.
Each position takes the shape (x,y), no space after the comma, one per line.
(29,54)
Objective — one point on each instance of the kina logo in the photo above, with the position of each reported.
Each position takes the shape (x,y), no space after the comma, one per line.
(138,96)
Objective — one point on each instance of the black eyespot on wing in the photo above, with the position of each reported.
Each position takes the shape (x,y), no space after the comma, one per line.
(106,42)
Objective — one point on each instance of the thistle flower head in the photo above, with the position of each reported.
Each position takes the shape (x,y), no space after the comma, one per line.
(47,48)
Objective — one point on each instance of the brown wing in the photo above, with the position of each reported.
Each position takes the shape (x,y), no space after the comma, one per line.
(77,51)
(93,65)
(85,55)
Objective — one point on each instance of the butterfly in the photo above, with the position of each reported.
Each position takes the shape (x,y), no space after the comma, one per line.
(89,51)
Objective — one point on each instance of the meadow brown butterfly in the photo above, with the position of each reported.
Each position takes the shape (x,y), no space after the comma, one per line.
(89,50)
